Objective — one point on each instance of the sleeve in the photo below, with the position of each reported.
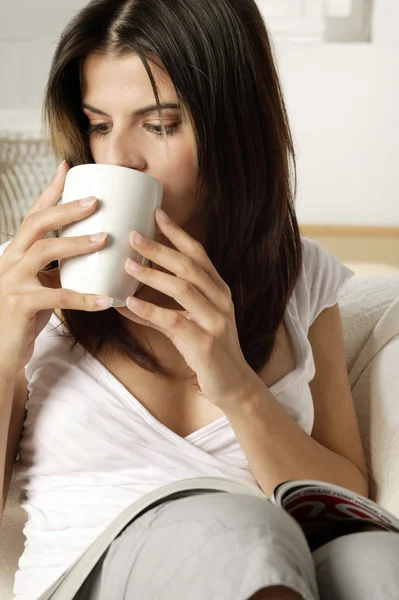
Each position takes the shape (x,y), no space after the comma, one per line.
(325,275)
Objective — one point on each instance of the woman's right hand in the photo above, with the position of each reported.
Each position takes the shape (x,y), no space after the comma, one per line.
(28,296)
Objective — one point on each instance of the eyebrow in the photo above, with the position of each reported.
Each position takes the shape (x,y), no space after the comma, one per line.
(137,113)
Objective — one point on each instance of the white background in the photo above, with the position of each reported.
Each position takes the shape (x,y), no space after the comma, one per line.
(342,101)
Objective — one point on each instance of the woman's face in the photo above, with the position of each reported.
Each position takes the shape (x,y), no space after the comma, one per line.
(114,90)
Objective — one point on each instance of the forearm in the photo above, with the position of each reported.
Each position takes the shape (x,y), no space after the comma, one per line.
(277,449)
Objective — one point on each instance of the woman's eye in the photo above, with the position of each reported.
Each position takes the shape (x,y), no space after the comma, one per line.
(172,129)
(169,129)
(98,129)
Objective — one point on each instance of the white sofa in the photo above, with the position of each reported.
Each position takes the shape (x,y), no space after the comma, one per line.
(370,313)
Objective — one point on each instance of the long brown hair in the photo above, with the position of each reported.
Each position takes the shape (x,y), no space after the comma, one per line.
(219,57)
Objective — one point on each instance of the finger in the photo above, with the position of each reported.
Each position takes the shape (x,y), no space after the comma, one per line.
(38,224)
(173,322)
(44,299)
(43,251)
(125,312)
(186,268)
(190,247)
(52,194)
(185,293)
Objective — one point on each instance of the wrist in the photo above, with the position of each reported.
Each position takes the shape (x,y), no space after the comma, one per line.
(246,401)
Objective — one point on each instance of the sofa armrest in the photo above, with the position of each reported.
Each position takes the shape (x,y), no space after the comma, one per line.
(376,396)
(363,303)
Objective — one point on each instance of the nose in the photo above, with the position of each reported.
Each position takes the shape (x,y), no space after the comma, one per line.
(122,150)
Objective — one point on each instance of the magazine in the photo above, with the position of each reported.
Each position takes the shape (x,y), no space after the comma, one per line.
(324,511)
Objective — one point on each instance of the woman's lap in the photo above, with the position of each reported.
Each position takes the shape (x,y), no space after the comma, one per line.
(227,547)
(359,566)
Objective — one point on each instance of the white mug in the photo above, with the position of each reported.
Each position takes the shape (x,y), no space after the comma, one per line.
(127,200)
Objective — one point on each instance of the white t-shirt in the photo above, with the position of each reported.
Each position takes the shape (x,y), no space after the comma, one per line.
(89,448)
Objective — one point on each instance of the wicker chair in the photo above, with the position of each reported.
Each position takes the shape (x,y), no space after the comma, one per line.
(26,168)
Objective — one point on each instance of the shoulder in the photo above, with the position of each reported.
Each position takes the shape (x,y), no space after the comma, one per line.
(320,283)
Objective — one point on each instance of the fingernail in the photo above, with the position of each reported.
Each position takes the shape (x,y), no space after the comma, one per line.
(88,201)
(162,215)
(105,302)
(134,303)
(133,265)
(61,165)
(98,237)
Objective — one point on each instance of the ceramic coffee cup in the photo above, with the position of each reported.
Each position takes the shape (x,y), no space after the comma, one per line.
(127,200)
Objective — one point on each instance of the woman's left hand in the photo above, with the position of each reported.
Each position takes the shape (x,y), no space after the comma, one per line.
(205,333)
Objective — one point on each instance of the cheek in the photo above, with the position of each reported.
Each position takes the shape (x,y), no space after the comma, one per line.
(182,175)
(189,160)
(180,186)
(95,149)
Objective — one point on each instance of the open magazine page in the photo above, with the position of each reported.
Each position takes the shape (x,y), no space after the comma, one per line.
(326,511)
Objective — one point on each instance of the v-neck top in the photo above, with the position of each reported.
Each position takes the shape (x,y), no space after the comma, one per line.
(89,448)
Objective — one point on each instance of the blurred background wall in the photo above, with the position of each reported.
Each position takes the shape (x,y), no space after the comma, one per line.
(339,65)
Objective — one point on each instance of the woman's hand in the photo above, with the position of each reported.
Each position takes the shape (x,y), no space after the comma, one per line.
(205,333)
(28,292)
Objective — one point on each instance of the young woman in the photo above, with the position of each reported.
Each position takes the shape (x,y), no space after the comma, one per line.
(233,365)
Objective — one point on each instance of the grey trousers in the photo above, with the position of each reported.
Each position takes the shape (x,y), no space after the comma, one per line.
(220,546)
